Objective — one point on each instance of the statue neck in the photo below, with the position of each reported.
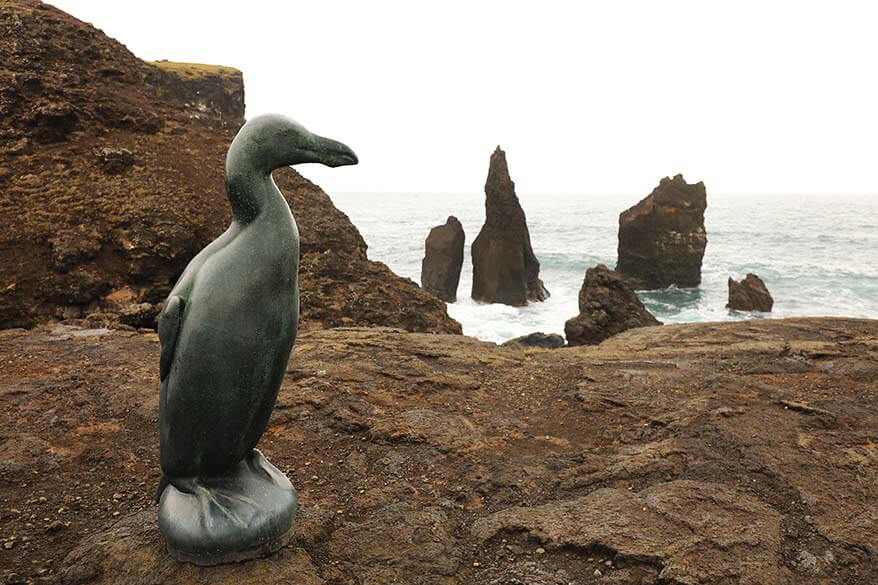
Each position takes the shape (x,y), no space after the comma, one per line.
(248,187)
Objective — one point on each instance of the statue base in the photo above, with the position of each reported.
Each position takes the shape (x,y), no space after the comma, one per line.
(245,514)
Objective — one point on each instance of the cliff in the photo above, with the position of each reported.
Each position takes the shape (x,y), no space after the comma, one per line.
(111,171)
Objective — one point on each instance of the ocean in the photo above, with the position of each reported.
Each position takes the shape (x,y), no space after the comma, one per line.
(818,254)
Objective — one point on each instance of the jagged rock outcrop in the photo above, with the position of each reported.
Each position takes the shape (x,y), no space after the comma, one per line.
(662,238)
(111,174)
(607,306)
(505,269)
(750,294)
(443,259)
(538,339)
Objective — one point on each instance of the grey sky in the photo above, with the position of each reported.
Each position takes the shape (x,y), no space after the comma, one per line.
(586,97)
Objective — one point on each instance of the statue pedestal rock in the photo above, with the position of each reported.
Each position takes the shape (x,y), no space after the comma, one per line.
(226,333)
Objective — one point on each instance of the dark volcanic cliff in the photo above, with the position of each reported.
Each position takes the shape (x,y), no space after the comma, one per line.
(111,171)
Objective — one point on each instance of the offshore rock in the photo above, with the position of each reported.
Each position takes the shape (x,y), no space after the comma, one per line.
(607,306)
(662,238)
(750,294)
(505,269)
(538,339)
(100,139)
(443,259)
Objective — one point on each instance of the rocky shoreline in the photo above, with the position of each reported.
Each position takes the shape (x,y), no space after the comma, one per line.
(704,453)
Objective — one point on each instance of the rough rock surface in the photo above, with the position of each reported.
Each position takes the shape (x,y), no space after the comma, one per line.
(709,454)
(505,269)
(538,339)
(676,525)
(607,306)
(750,294)
(443,259)
(662,238)
(112,175)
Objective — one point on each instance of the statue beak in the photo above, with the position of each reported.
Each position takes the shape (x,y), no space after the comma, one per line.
(333,153)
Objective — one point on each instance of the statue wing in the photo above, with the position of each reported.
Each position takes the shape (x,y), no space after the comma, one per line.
(169,329)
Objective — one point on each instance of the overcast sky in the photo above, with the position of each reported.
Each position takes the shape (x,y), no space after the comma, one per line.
(585,97)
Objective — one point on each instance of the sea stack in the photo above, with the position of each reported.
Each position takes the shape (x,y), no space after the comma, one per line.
(505,269)
(607,306)
(750,294)
(443,259)
(662,238)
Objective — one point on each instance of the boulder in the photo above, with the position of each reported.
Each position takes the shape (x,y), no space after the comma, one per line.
(607,306)
(662,238)
(443,259)
(749,295)
(538,339)
(505,269)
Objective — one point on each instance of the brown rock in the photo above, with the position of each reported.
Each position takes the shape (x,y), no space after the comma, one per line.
(209,93)
(702,452)
(677,525)
(132,551)
(607,306)
(662,238)
(443,259)
(104,231)
(749,295)
(114,160)
(505,269)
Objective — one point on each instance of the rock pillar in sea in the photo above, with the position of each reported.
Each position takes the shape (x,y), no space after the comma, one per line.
(443,259)
(750,294)
(607,306)
(505,269)
(662,238)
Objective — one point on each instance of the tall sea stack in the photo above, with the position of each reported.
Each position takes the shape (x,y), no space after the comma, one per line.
(662,238)
(443,259)
(505,269)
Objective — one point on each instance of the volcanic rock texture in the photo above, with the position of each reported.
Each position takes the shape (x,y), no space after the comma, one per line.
(750,294)
(111,174)
(662,238)
(607,306)
(505,269)
(708,454)
(443,259)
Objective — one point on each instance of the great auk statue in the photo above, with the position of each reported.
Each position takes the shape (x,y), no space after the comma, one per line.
(226,333)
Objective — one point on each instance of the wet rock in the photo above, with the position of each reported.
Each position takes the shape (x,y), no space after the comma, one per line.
(443,259)
(749,295)
(131,551)
(538,339)
(607,306)
(505,269)
(662,238)
(676,525)
(114,161)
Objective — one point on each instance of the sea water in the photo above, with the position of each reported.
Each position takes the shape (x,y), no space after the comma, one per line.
(817,254)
